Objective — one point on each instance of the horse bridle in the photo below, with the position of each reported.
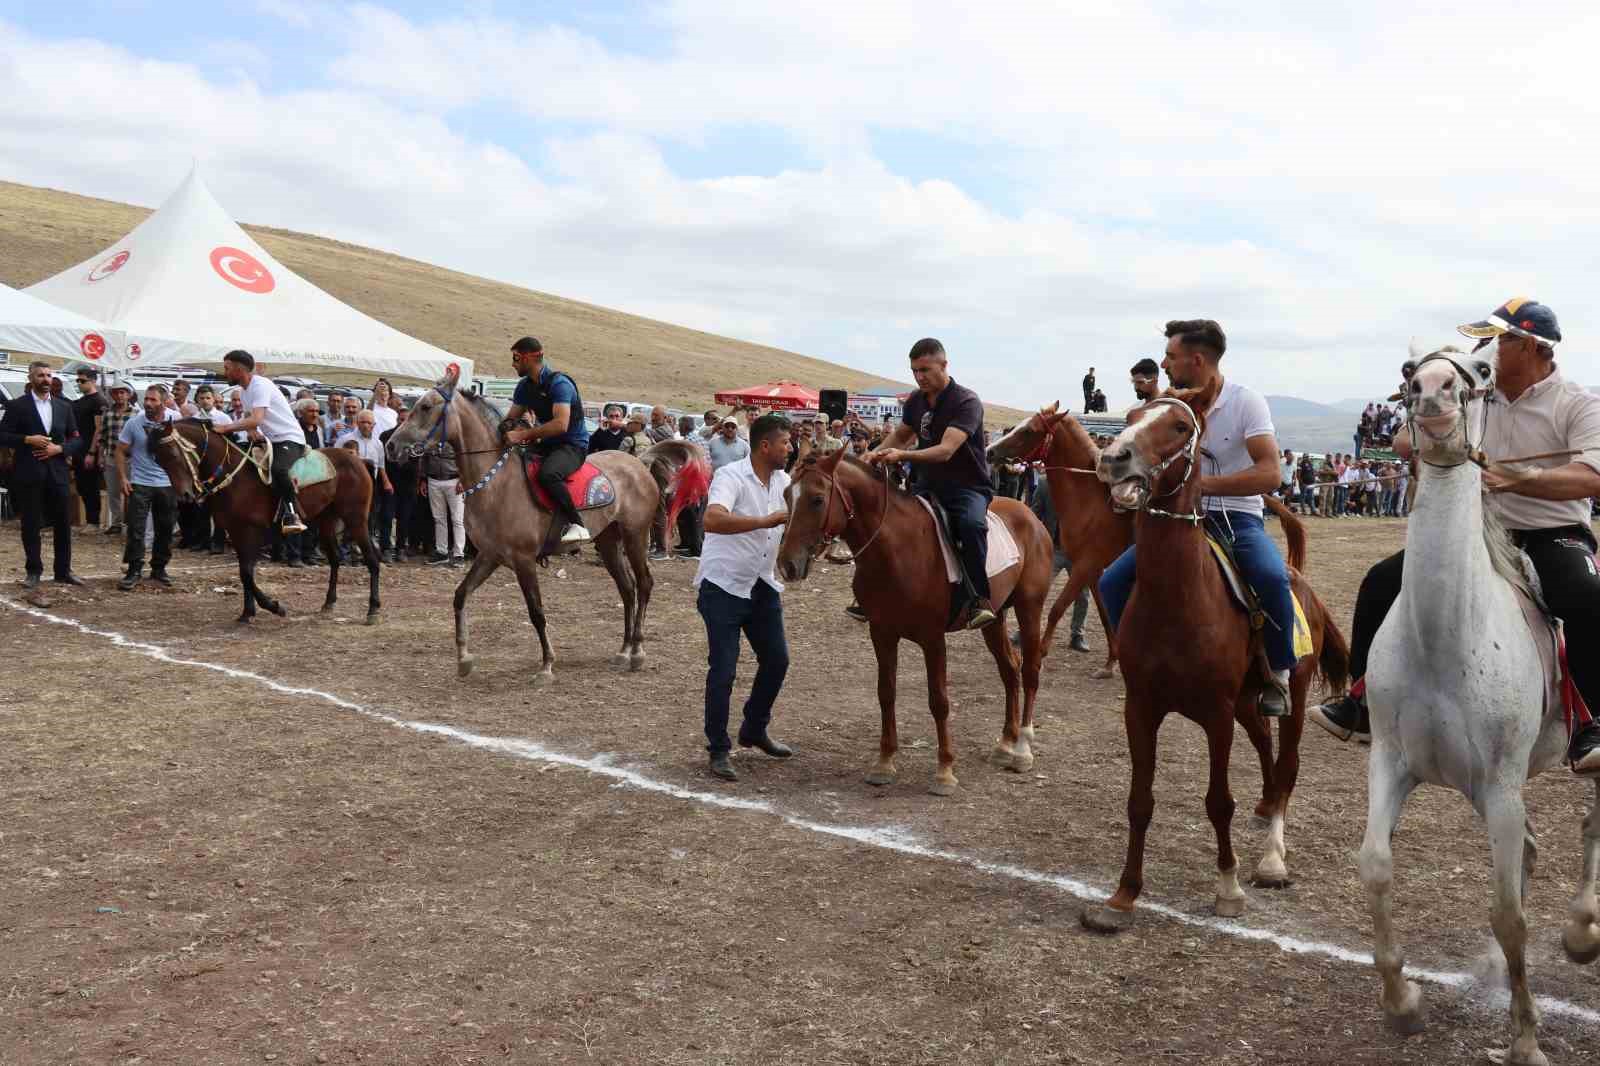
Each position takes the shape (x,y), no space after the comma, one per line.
(849,516)
(1477,389)
(205,489)
(437,435)
(1187,453)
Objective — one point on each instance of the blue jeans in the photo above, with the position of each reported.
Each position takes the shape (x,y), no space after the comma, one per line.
(760,618)
(1260,565)
(968,509)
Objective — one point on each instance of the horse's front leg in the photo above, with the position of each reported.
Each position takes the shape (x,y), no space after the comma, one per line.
(247,576)
(1388,785)
(482,566)
(1230,900)
(328,536)
(1142,724)
(1581,937)
(933,655)
(886,645)
(1507,819)
(528,578)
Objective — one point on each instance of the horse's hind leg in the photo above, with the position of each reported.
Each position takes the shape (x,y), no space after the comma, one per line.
(1106,671)
(528,578)
(328,537)
(1507,820)
(1028,614)
(1388,785)
(247,546)
(1010,752)
(643,584)
(1581,937)
(482,566)
(609,545)
(369,555)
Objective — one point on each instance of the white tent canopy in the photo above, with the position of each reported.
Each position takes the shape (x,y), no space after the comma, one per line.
(189,285)
(28,324)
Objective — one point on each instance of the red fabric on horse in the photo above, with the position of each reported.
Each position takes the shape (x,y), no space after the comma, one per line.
(588,486)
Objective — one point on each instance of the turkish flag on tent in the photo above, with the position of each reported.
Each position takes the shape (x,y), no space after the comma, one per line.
(778,395)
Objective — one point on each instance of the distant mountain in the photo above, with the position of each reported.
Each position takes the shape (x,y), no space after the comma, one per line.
(1308,426)
(1295,407)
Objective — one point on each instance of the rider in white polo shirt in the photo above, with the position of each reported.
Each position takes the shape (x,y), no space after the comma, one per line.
(740,593)
(265,410)
(1238,462)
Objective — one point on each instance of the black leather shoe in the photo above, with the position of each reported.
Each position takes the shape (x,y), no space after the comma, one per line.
(855,611)
(69,579)
(30,581)
(294,564)
(721,767)
(1345,717)
(1077,643)
(160,577)
(130,579)
(1584,751)
(774,748)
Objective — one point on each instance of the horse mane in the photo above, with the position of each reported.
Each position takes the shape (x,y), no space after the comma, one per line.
(1080,436)
(486,412)
(1503,553)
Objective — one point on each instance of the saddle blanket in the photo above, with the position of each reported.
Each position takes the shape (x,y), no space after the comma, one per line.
(1303,644)
(312,468)
(1003,551)
(588,486)
(1551,638)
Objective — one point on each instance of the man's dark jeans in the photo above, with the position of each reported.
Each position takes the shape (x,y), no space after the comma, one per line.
(161,504)
(968,509)
(760,619)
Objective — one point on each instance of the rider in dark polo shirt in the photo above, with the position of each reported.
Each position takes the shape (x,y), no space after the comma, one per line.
(948,463)
(560,438)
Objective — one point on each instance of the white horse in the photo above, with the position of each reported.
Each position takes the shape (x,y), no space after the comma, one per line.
(1457,691)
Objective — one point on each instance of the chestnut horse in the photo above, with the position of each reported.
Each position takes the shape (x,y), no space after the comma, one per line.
(508,528)
(1091,533)
(901,584)
(204,466)
(1187,646)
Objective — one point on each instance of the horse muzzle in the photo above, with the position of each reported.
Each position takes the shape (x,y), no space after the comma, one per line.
(795,570)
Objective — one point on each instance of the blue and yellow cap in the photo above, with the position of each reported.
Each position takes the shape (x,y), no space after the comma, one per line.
(1519,315)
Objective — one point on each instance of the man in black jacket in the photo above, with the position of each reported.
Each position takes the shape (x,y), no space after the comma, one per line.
(44,434)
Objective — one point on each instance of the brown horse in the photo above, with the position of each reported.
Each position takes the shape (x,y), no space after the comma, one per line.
(675,465)
(900,582)
(1187,646)
(206,466)
(509,529)
(1090,533)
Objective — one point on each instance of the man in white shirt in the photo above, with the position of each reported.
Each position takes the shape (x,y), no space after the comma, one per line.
(740,593)
(267,413)
(1238,462)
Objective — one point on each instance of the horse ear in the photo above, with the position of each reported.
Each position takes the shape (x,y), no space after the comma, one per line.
(1201,399)
(1419,350)
(452,375)
(1052,409)
(830,462)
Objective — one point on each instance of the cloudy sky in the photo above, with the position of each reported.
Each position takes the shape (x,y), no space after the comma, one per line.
(1040,185)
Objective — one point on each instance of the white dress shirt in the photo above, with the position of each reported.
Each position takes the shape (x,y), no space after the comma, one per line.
(734,562)
(45,408)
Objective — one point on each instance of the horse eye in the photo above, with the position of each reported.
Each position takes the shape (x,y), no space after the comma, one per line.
(816,501)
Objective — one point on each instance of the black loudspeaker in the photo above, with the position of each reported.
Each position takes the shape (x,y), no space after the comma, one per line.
(835,403)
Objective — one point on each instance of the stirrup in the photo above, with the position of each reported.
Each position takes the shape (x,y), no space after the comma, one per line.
(289,521)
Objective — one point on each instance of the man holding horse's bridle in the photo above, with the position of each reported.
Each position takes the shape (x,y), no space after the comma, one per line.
(948,463)
(561,439)
(1544,505)
(1240,463)
(266,411)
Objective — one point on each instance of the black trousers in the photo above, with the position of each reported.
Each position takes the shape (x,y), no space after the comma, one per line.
(161,505)
(1564,560)
(692,528)
(89,482)
(38,504)
(284,455)
(561,461)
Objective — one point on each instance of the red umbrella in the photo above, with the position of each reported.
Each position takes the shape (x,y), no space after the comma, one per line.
(784,395)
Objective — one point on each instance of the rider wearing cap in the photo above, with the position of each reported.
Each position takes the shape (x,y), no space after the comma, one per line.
(560,438)
(946,421)
(1544,505)
(1238,462)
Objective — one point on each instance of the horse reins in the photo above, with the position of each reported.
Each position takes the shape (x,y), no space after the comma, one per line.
(206,488)
(849,516)
(442,427)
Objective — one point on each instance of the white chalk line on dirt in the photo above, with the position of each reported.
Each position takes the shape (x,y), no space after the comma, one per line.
(886,839)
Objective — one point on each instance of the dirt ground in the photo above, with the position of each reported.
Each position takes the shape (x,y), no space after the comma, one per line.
(201,868)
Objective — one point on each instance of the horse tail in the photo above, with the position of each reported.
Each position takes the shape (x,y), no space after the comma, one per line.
(1294,531)
(690,484)
(1335,657)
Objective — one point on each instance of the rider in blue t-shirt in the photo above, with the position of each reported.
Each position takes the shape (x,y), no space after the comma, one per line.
(561,439)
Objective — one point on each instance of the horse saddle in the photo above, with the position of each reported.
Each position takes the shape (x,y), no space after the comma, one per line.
(1002,555)
(1246,598)
(588,487)
(312,468)
(1551,640)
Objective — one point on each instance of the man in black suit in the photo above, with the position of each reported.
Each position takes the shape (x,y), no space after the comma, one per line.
(44,433)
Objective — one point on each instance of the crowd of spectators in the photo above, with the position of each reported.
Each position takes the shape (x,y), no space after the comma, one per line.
(1377,426)
(1344,486)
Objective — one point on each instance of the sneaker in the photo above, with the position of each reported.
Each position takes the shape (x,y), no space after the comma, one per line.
(658,556)
(1345,717)
(1274,699)
(113,529)
(438,559)
(160,577)
(1077,643)
(982,615)
(130,579)
(575,534)
(458,561)
(855,611)
(1584,751)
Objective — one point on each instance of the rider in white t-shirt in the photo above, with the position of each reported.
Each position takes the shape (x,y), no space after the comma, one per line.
(266,412)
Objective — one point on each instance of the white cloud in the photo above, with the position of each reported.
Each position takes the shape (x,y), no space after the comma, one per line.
(1327,190)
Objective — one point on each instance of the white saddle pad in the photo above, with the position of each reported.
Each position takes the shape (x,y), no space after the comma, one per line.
(1003,553)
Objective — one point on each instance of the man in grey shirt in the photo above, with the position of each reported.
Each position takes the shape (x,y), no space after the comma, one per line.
(727,446)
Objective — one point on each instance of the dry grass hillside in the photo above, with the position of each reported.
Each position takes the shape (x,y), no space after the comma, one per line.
(43,231)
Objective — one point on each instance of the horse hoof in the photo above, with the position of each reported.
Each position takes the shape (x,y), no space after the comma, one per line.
(1105,919)
(1229,908)
(1272,877)
(278,609)
(1102,674)
(942,787)
(620,659)
(1022,763)
(636,662)
(244,619)
(1582,945)
(542,679)
(880,778)
(372,619)
(464,666)
(1003,757)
